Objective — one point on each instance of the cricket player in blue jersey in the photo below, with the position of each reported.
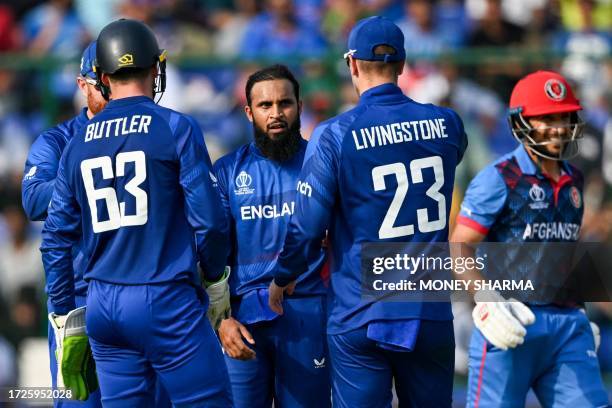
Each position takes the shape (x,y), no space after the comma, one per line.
(531,195)
(37,188)
(381,172)
(137,181)
(271,357)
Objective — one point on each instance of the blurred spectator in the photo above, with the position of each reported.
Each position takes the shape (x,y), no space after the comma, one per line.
(8,366)
(230,26)
(9,35)
(339,18)
(452,22)
(494,30)
(54,28)
(95,14)
(277,33)
(20,260)
(578,15)
(421,35)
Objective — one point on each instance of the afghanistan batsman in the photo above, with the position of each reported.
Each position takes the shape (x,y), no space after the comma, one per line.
(531,195)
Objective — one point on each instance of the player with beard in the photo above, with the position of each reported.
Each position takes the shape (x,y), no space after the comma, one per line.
(271,357)
(39,181)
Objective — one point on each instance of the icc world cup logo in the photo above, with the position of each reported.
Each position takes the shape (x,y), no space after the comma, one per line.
(536,193)
(243,180)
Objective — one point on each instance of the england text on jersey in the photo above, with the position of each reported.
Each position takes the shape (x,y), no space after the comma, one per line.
(252,212)
(118,127)
(399,132)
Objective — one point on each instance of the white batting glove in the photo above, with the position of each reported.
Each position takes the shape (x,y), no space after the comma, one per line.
(219,307)
(502,322)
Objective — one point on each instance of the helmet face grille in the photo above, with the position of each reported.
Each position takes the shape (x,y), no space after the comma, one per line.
(523,133)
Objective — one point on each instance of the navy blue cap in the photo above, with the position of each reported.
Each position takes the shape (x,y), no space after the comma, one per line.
(87,61)
(372,32)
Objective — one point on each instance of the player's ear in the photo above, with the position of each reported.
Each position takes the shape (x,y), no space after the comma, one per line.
(105,80)
(354,67)
(248,112)
(82,86)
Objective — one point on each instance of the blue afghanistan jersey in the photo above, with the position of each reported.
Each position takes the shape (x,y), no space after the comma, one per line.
(39,181)
(511,200)
(137,180)
(258,195)
(381,172)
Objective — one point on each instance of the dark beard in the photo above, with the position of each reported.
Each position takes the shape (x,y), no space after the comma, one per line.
(283,147)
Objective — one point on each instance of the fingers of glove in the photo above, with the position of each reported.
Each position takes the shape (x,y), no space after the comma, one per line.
(511,337)
(497,315)
(498,325)
(74,358)
(482,319)
(493,337)
(521,312)
(509,321)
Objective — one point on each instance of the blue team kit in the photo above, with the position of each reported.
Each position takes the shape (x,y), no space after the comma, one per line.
(291,367)
(37,188)
(386,149)
(140,165)
(137,217)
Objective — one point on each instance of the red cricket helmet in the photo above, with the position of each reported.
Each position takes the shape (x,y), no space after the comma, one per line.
(544,93)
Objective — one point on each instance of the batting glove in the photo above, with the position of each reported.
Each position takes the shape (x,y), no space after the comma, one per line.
(76,369)
(219,307)
(502,322)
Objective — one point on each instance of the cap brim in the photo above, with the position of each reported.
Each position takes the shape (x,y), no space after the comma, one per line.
(547,111)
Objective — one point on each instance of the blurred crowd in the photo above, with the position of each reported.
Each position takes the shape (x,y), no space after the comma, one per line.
(466,54)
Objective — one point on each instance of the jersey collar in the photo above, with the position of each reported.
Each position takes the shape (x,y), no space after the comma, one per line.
(529,167)
(382,94)
(130,100)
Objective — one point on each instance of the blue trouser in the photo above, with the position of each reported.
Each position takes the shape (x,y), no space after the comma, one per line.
(142,332)
(557,360)
(94,398)
(363,373)
(291,366)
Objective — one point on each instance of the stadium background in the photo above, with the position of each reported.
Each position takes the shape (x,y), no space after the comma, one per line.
(465,54)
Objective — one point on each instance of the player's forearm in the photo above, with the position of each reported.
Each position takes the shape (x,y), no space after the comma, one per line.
(35,197)
(213,250)
(292,261)
(59,278)
(462,245)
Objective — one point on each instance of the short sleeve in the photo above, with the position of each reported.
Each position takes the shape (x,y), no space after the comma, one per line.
(484,200)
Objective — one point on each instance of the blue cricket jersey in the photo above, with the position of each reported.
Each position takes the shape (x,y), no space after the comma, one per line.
(381,172)
(258,195)
(511,200)
(137,180)
(39,181)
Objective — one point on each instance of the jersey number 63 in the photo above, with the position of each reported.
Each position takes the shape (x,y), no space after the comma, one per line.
(117,217)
